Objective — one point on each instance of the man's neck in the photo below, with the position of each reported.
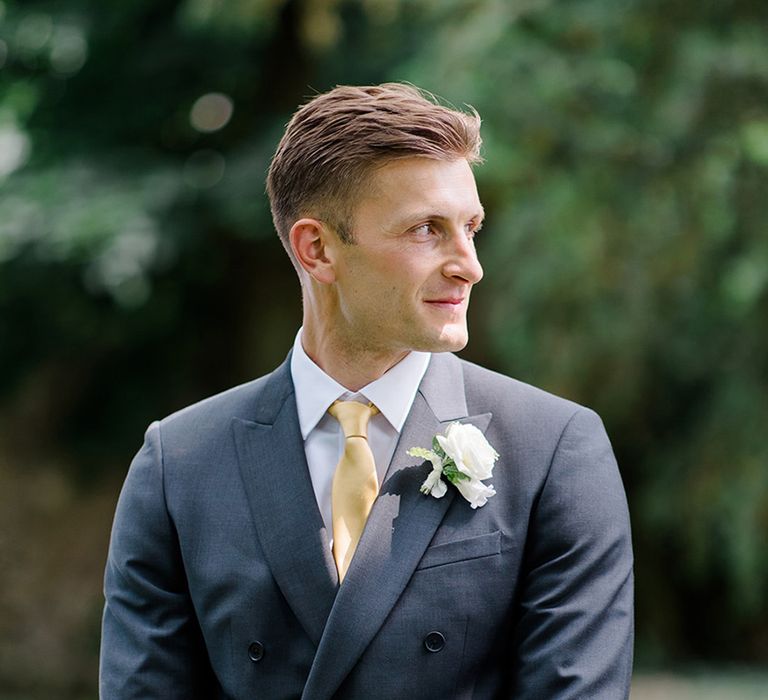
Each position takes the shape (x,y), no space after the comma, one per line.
(351,366)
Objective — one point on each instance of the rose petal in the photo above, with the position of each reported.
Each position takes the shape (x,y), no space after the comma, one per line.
(475,491)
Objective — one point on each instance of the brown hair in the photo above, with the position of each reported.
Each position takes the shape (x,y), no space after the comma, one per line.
(336,139)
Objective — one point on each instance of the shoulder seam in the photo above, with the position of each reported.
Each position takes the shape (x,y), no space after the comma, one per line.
(162,470)
(556,450)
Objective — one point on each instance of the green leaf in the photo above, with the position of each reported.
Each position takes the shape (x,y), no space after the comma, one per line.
(453,474)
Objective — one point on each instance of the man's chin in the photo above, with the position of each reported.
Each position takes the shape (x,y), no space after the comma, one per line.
(449,340)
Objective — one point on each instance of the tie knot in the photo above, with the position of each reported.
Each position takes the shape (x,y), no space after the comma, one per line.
(353,417)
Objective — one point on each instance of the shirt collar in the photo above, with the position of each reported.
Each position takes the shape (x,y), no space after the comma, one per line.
(392,393)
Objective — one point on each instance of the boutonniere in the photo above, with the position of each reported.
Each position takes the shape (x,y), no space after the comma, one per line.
(464,457)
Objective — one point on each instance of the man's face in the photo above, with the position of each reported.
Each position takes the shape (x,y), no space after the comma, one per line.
(405,282)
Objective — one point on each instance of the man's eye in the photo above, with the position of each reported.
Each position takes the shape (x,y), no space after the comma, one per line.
(472,227)
(424,230)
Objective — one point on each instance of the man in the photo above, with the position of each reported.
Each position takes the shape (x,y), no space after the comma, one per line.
(263,548)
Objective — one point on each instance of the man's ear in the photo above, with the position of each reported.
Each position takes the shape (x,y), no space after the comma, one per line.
(312,244)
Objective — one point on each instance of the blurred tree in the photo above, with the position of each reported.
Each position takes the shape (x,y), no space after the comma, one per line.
(625,250)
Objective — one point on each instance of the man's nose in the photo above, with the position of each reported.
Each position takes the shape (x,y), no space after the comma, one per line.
(463,262)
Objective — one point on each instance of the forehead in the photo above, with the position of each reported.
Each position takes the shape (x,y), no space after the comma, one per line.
(413,187)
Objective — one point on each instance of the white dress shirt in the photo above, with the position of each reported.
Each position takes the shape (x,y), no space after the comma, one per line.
(392,394)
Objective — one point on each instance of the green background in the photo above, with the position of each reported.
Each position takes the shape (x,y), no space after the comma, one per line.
(625,250)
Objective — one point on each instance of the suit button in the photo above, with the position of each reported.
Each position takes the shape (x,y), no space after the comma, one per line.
(434,642)
(256,651)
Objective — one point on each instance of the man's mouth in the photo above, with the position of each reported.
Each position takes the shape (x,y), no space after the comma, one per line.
(447,302)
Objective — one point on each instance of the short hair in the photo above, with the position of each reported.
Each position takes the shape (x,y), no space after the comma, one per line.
(337,138)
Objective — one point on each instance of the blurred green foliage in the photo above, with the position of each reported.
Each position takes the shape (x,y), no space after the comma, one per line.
(626,185)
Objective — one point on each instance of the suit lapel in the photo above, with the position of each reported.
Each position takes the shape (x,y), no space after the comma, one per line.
(399,529)
(283,505)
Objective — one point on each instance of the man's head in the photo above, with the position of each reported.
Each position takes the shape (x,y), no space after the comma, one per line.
(373,196)
(335,141)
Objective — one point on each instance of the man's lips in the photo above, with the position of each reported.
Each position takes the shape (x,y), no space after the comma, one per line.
(447,302)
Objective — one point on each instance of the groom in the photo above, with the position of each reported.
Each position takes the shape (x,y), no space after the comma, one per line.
(272,542)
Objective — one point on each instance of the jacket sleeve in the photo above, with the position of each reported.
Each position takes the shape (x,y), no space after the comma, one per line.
(574,632)
(151,645)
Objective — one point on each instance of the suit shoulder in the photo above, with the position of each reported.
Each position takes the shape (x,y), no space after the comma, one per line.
(487,389)
(211,415)
(530,422)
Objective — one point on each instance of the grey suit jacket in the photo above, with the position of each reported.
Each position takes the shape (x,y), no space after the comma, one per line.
(220,582)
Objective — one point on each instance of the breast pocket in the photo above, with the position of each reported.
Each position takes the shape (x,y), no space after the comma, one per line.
(485,545)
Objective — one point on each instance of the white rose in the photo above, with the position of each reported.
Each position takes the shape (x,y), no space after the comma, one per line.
(476,492)
(466,445)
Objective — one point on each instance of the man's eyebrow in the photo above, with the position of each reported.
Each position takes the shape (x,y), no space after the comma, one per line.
(432,215)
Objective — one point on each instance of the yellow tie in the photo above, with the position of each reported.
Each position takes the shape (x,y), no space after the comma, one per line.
(355,484)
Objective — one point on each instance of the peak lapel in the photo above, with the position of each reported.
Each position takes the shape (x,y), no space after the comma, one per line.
(283,506)
(398,531)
